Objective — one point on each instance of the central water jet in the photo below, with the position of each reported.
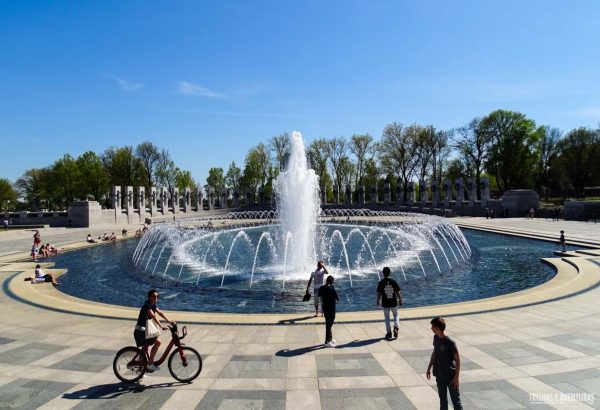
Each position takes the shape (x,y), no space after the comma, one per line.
(299,205)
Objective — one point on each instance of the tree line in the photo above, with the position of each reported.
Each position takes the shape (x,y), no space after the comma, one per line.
(504,146)
(89,177)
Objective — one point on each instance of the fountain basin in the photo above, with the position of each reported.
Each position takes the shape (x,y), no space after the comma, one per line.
(498,265)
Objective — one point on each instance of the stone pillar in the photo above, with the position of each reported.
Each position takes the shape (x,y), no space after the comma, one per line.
(399,194)
(484,186)
(210,198)
(410,201)
(115,196)
(348,200)
(236,198)
(472,191)
(249,197)
(336,195)
(447,192)
(435,194)
(141,200)
(374,195)
(224,198)
(361,194)
(152,200)
(323,194)
(128,195)
(175,200)
(422,193)
(387,193)
(460,193)
(187,199)
(162,200)
(197,196)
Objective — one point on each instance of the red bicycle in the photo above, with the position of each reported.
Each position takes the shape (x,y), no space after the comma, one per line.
(185,363)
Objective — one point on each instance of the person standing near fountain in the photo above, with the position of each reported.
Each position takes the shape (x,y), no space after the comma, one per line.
(562,242)
(329,298)
(388,297)
(317,276)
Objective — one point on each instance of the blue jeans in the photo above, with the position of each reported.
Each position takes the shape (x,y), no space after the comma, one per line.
(443,386)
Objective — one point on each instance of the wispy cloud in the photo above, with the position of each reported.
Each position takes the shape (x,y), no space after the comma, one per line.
(187,88)
(592,113)
(125,85)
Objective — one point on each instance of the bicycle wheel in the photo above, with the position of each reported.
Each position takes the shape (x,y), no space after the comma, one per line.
(129,364)
(187,368)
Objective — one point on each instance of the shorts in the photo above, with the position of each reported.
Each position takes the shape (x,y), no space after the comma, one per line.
(140,339)
(316,297)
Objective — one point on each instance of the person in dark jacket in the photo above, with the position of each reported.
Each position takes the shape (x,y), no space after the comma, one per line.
(329,298)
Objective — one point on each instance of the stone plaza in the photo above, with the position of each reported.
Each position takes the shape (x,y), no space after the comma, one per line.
(536,349)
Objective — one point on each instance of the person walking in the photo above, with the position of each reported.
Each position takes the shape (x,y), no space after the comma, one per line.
(329,298)
(316,278)
(445,362)
(562,242)
(388,297)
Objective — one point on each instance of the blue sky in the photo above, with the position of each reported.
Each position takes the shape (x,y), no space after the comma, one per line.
(209,79)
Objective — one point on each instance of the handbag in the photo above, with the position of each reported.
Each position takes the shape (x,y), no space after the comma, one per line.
(306,297)
(152,329)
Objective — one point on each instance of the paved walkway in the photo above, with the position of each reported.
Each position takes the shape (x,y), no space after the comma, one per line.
(511,358)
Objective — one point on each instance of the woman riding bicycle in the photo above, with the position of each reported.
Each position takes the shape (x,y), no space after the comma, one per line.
(149,312)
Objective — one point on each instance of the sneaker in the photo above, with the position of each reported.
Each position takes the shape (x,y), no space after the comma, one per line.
(388,335)
(329,344)
(153,368)
(396,332)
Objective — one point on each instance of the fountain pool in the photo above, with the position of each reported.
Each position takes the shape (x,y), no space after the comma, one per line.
(499,264)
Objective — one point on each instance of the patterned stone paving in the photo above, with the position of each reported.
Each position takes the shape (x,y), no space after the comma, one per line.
(510,359)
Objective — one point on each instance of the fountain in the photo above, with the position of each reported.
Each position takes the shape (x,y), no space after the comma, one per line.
(248,254)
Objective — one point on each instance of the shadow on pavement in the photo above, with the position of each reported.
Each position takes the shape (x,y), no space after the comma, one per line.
(303,350)
(294,320)
(298,352)
(114,390)
(359,343)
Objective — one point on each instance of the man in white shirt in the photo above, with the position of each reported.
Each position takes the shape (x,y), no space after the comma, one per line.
(317,276)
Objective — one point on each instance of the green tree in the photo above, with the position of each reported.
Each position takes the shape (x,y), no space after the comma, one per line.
(122,166)
(149,157)
(256,167)
(166,171)
(93,180)
(548,147)
(185,180)
(579,154)
(398,152)
(33,186)
(513,151)
(473,146)
(362,146)
(8,195)
(280,145)
(426,150)
(336,149)
(66,180)
(233,176)
(216,179)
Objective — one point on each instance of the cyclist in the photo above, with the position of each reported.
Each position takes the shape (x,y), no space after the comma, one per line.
(149,312)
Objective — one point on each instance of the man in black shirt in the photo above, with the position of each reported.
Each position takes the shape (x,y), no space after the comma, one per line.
(329,297)
(445,361)
(388,297)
